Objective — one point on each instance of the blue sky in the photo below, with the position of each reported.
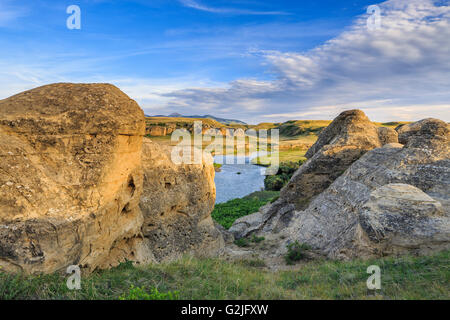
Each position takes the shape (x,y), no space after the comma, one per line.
(253,60)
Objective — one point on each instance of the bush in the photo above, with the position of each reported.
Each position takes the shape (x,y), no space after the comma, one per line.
(245,242)
(274,183)
(284,174)
(296,252)
(256,239)
(242,242)
(139,293)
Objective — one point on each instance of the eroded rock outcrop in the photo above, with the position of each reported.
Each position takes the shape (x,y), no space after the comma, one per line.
(176,203)
(340,144)
(70,178)
(393,200)
(75,174)
(156,131)
(344,141)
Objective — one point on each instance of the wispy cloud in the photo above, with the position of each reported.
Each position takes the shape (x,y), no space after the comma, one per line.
(198,6)
(400,71)
(9,13)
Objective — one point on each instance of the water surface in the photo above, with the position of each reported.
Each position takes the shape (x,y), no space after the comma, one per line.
(230,184)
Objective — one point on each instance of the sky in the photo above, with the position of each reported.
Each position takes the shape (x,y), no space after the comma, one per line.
(252,60)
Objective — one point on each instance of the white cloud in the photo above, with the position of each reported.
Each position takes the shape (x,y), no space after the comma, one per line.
(399,72)
(405,64)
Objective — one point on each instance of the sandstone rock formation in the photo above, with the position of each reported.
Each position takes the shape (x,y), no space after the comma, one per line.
(176,203)
(70,178)
(393,200)
(74,174)
(156,131)
(247,224)
(422,130)
(344,141)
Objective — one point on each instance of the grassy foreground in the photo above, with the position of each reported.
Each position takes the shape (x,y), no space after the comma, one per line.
(190,278)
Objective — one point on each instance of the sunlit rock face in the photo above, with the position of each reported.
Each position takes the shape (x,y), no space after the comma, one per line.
(177,201)
(340,144)
(70,178)
(393,200)
(345,140)
(383,200)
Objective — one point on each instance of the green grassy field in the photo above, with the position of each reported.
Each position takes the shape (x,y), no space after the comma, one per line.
(191,278)
(226,213)
(284,156)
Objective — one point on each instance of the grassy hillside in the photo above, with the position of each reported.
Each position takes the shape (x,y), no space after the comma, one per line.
(293,155)
(190,278)
(392,125)
(181,122)
(294,128)
(296,136)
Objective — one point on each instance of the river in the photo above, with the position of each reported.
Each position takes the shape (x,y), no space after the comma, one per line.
(230,184)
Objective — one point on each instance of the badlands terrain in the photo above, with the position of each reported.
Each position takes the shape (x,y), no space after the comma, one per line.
(86,179)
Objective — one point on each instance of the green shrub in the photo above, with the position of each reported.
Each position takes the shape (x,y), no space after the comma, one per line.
(256,239)
(242,242)
(245,242)
(296,252)
(139,293)
(274,183)
(284,174)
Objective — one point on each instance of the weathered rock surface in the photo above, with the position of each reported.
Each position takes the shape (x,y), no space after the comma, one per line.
(70,178)
(226,235)
(344,141)
(156,131)
(424,132)
(177,201)
(394,199)
(246,225)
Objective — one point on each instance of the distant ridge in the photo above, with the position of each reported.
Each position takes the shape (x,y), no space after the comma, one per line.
(208,116)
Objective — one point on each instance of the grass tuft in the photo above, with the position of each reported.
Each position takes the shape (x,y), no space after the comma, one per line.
(210,278)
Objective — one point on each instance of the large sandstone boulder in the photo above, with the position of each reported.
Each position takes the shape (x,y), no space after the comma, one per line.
(340,144)
(176,203)
(70,178)
(426,131)
(344,141)
(393,200)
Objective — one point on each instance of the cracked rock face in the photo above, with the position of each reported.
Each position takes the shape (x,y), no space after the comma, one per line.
(70,178)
